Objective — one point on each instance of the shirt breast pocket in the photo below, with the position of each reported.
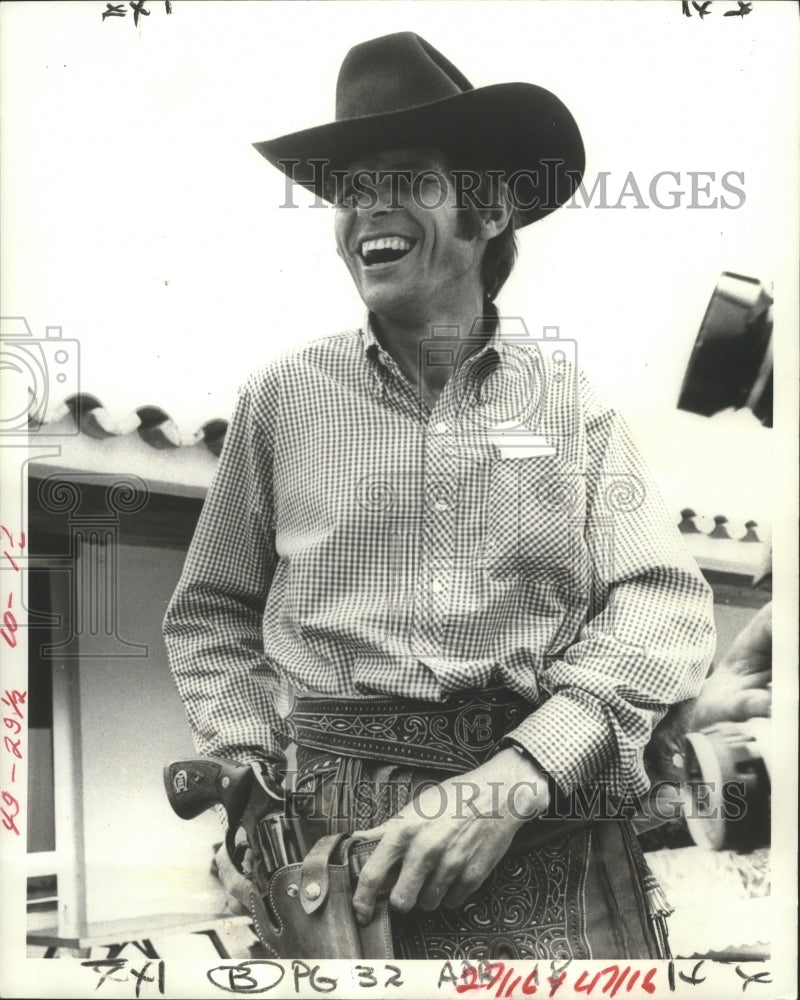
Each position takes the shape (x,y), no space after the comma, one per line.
(535,517)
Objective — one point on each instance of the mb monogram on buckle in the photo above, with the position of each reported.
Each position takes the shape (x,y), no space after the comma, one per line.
(455,735)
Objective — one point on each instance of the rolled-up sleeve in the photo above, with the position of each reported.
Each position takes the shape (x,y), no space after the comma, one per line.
(214,623)
(647,640)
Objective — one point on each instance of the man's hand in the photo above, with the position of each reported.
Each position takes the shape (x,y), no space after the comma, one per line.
(450,837)
(738,686)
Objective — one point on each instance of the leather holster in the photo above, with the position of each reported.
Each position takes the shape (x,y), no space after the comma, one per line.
(308,909)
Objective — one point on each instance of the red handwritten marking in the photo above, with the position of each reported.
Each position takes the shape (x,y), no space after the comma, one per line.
(471,972)
(614,981)
(529,987)
(14,699)
(8,817)
(555,983)
(10,623)
(500,970)
(497,977)
(514,985)
(10,537)
(504,983)
(620,981)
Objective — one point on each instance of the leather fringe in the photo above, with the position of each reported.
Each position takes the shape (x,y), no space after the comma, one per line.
(659,908)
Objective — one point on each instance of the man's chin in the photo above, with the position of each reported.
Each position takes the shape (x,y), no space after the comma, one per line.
(390,303)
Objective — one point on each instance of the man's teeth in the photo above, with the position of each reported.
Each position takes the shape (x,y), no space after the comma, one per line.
(386,243)
(385,249)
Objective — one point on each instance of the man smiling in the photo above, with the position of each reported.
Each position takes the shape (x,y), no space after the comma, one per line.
(414,258)
(432,533)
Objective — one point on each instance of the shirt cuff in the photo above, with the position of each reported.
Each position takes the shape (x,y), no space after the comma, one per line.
(567,740)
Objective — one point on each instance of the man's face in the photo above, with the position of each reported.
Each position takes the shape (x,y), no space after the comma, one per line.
(402,238)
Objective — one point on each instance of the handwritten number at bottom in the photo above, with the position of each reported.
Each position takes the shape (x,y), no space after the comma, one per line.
(367,977)
(105,967)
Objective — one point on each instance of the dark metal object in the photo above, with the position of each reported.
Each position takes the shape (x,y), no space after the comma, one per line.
(728,785)
(252,803)
(731,363)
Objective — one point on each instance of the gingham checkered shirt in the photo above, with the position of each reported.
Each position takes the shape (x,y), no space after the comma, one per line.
(355,543)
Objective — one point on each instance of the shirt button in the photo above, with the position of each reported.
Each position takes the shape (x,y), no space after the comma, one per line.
(441,504)
(441,427)
(438,585)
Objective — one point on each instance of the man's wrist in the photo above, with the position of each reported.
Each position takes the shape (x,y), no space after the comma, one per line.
(525,754)
(529,789)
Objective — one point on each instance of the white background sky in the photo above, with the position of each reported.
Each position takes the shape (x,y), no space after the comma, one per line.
(137,216)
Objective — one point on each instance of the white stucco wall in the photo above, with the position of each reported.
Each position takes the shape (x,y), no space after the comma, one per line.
(140,857)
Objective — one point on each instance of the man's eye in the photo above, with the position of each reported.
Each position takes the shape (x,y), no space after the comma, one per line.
(339,193)
(343,196)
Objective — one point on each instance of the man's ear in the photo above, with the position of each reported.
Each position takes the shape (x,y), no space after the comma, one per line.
(495,218)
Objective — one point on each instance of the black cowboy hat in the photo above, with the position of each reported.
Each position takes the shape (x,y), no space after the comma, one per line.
(398,91)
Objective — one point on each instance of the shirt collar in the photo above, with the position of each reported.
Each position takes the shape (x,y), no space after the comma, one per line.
(381,362)
(368,339)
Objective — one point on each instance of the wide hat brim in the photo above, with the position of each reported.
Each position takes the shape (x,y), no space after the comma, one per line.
(519,128)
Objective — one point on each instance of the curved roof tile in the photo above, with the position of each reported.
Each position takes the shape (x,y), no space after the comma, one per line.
(153,424)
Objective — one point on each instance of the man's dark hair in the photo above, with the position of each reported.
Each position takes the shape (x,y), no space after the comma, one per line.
(498,260)
(501,251)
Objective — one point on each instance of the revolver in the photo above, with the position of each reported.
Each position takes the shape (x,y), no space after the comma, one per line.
(260,808)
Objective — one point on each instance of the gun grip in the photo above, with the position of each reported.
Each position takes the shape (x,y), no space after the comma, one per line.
(193,786)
